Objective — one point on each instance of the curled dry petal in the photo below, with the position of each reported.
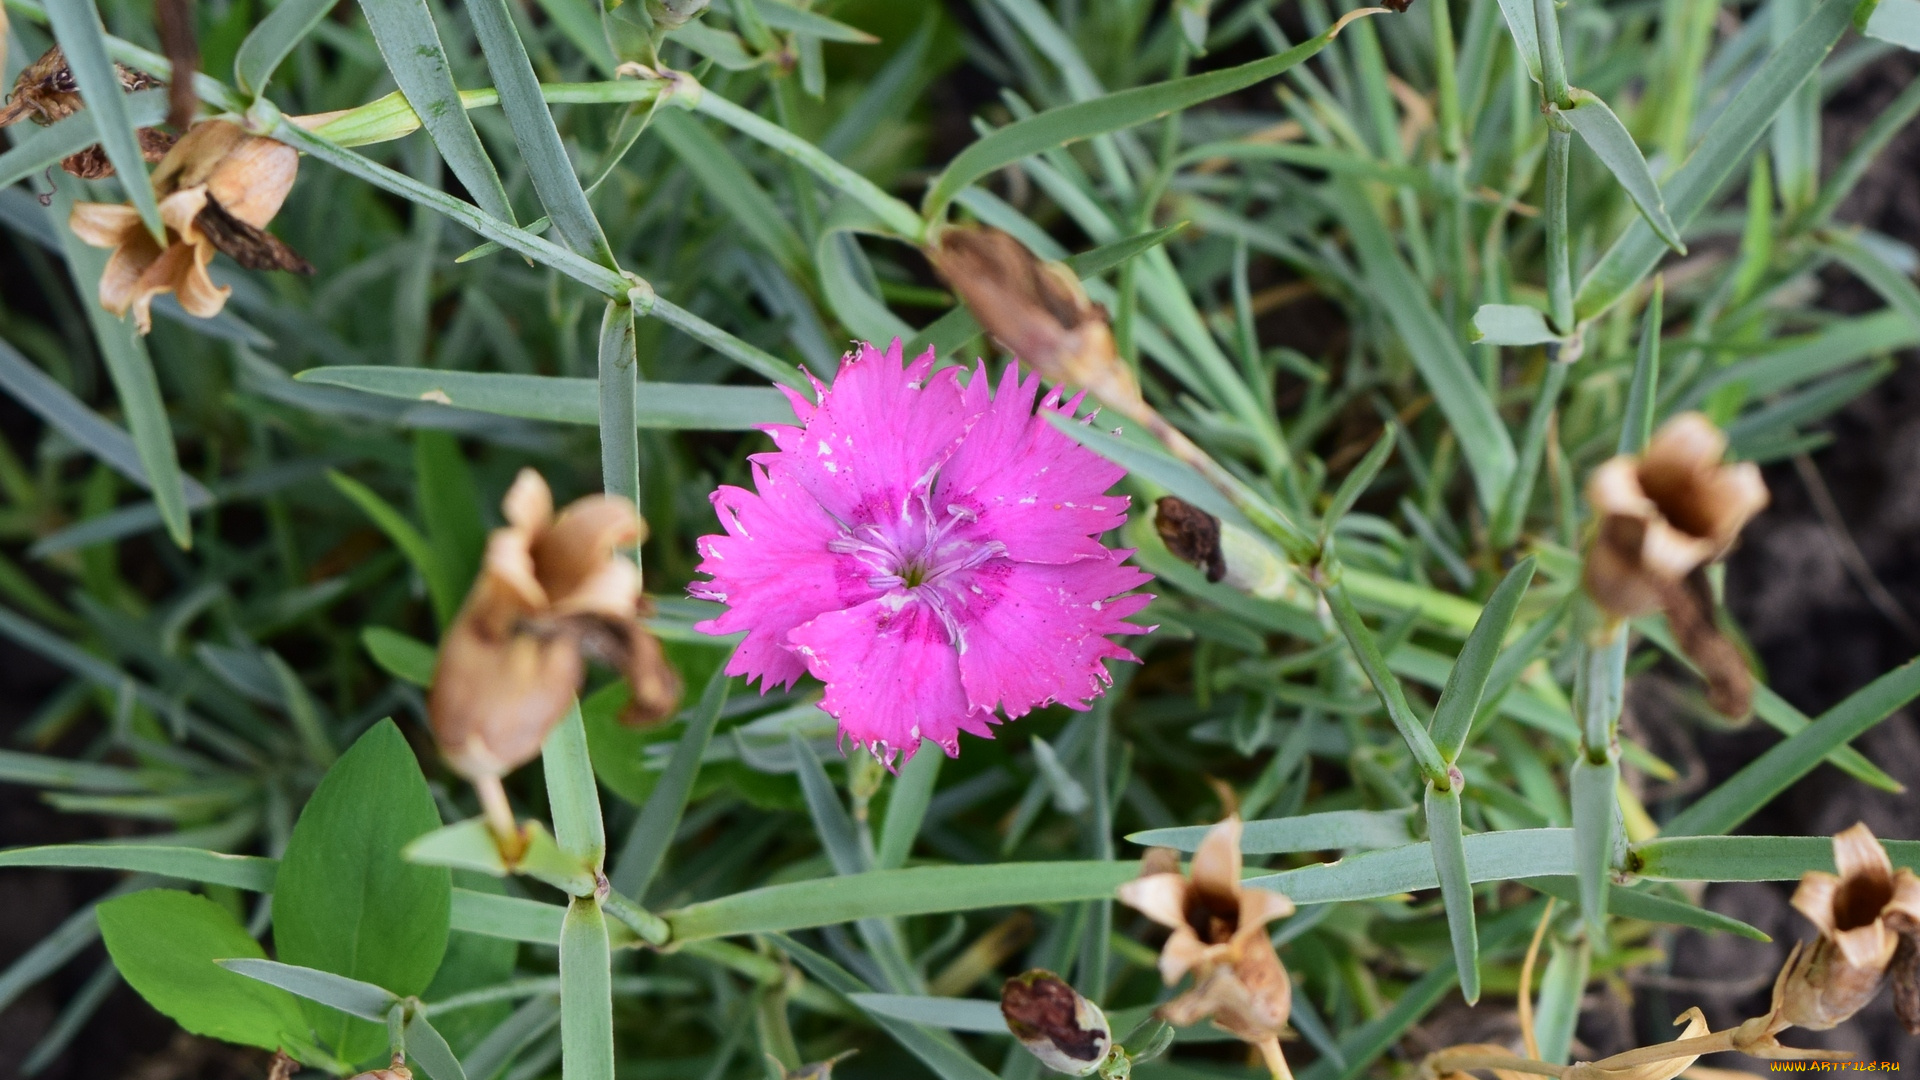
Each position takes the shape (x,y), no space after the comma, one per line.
(1037,311)
(1861,914)
(1055,1023)
(1662,518)
(551,591)
(218,187)
(1219,934)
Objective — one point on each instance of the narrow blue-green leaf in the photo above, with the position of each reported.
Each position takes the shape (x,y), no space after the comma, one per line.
(350,996)
(830,819)
(274,39)
(1526,34)
(1330,830)
(1456,892)
(646,846)
(37,149)
(918,890)
(1610,141)
(1596,827)
(1647,907)
(82,37)
(1148,461)
(43,770)
(1112,112)
(1808,357)
(429,1050)
(1431,344)
(398,655)
(1356,483)
(1511,324)
(410,43)
(508,917)
(1497,856)
(302,711)
(1467,682)
(1747,858)
(1722,149)
(619,400)
(936,1050)
(1636,419)
(784,16)
(1562,985)
(663,406)
(953,1014)
(907,807)
(1897,21)
(1426,756)
(249,872)
(463,845)
(754,359)
(56,405)
(845,276)
(586,993)
(571,793)
(730,186)
(534,133)
(124,351)
(1895,286)
(1744,793)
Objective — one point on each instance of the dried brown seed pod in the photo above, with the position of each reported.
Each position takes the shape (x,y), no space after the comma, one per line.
(1055,1023)
(46,92)
(1191,534)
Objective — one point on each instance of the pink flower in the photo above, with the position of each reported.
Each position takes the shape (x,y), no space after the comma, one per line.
(926,549)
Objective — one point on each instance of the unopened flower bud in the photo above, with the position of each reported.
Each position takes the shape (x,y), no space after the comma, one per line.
(674,14)
(1055,1023)
(1038,312)
(1225,552)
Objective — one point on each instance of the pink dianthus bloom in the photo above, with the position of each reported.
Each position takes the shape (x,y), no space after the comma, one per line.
(928,551)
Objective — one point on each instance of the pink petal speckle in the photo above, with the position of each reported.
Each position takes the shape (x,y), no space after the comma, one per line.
(927,550)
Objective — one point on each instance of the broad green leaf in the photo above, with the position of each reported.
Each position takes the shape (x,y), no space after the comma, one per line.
(534,133)
(1743,794)
(1456,892)
(274,39)
(1511,324)
(350,996)
(345,901)
(403,657)
(1610,141)
(165,943)
(1723,149)
(572,796)
(1497,856)
(586,993)
(249,872)
(1467,682)
(38,149)
(907,806)
(1747,858)
(410,43)
(671,406)
(730,186)
(1431,344)
(1331,830)
(917,890)
(124,352)
(1112,112)
(646,848)
(474,962)
(449,507)
(82,37)
(1897,21)
(406,537)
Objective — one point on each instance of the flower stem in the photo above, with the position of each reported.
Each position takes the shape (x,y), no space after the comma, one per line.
(1276,1061)
(499,814)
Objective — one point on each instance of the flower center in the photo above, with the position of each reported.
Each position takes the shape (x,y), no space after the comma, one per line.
(918,557)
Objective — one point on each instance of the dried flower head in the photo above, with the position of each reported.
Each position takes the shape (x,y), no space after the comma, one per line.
(218,187)
(551,588)
(1663,517)
(1037,311)
(1055,1023)
(395,1071)
(1226,553)
(46,92)
(1826,983)
(928,550)
(1191,534)
(1219,934)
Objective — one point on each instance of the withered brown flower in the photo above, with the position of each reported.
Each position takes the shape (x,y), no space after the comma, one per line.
(1858,913)
(45,92)
(1037,311)
(1056,1024)
(218,187)
(1219,934)
(1662,518)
